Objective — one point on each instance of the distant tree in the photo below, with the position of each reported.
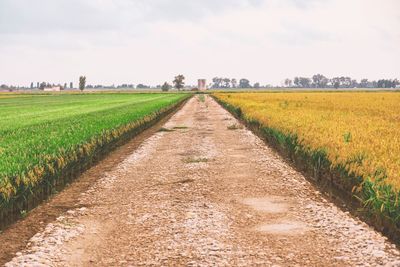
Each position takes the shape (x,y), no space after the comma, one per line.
(124,85)
(42,85)
(244,83)
(345,82)
(256,85)
(82,83)
(65,85)
(142,86)
(335,81)
(71,85)
(288,82)
(165,87)
(179,82)
(324,82)
(364,83)
(336,85)
(234,83)
(381,83)
(31,85)
(217,82)
(38,85)
(304,82)
(396,83)
(296,82)
(384,83)
(227,82)
(319,81)
(354,83)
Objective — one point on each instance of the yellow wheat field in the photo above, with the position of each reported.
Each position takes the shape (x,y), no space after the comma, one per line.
(6,95)
(349,125)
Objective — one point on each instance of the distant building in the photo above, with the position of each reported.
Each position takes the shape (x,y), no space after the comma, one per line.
(57,88)
(202,84)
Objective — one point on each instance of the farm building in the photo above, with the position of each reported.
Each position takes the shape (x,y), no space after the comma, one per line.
(202,84)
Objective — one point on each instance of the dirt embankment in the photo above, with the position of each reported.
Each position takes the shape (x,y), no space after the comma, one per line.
(205,191)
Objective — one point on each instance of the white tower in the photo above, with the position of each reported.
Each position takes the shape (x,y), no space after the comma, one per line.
(202,84)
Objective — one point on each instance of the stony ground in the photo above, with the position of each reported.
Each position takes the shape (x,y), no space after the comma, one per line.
(204,191)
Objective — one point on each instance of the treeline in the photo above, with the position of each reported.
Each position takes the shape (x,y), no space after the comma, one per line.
(320,81)
(316,81)
(38,85)
(43,85)
(220,83)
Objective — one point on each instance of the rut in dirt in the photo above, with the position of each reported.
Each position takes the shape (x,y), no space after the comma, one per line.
(205,191)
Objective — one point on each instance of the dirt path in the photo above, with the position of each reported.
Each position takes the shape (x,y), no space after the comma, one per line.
(205,195)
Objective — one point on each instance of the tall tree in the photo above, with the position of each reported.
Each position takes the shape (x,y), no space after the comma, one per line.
(42,85)
(296,81)
(319,81)
(234,83)
(31,85)
(82,83)
(244,83)
(288,82)
(335,81)
(364,83)
(217,82)
(179,82)
(305,82)
(165,87)
(396,83)
(71,85)
(227,82)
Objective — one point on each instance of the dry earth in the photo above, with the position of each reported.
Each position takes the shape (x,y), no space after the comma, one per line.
(205,192)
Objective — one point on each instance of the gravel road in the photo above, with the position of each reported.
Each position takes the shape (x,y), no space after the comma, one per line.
(205,191)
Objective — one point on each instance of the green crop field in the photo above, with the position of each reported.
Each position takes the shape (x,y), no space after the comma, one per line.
(41,136)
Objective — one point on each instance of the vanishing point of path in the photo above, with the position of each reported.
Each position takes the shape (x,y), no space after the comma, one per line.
(200,194)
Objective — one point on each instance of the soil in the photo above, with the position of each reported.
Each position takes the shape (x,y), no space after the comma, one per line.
(198,193)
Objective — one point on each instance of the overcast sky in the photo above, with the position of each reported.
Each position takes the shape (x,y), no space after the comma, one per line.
(150,41)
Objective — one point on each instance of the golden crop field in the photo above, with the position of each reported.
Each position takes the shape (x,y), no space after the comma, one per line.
(358,130)
(5,96)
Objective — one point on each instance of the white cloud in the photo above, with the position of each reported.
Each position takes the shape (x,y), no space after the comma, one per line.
(151,40)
